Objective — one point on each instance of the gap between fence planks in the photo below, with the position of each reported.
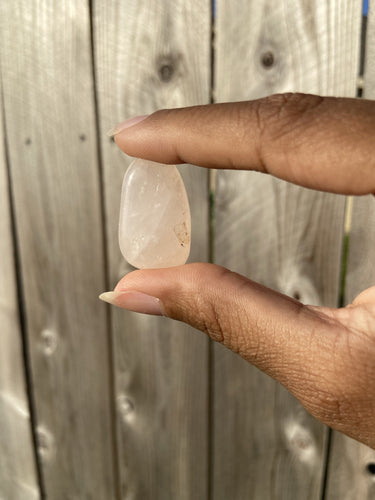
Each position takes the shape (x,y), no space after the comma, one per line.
(286,237)
(349,476)
(151,55)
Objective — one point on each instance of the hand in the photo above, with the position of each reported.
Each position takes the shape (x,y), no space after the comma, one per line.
(324,356)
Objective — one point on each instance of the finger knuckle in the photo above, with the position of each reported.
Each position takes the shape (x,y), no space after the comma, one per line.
(282,114)
(212,324)
(216,317)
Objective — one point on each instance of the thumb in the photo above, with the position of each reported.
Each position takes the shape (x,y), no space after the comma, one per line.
(276,333)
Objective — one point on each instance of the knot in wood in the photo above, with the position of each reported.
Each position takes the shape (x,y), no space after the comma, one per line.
(268,59)
(301,442)
(166,72)
(49,341)
(45,444)
(126,407)
(169,66)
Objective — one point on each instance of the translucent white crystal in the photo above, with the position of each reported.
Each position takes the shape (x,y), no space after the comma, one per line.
(155,224)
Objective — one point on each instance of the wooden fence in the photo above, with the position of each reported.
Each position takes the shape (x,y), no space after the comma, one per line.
(97,403)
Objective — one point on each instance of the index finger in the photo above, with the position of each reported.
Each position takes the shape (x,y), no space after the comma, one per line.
(323,143)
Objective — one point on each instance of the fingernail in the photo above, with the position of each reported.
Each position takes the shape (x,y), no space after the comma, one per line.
(126,124)
(134,301)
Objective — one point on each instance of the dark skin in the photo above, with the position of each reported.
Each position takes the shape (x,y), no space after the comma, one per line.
(320,143)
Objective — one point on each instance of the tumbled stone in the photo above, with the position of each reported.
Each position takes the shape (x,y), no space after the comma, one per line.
(155,224)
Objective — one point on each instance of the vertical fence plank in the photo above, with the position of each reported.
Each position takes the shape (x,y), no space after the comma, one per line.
(49,110)
(150,55)
(350,475)
(286,237)
(17,463)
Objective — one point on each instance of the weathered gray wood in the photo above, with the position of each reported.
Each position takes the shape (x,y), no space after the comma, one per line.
(151,55)
(18,477)
(289,238)
(349,476)
(49,111)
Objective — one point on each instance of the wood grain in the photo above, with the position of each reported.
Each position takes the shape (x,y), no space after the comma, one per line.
(349,476)
(50,120)
(265,445)
(151,55)
(18,477)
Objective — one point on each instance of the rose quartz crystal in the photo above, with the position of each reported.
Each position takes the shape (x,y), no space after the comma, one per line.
(155,224)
